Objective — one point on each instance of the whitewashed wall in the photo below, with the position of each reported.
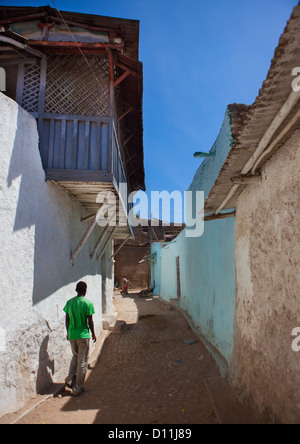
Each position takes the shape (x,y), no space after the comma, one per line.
(39,226)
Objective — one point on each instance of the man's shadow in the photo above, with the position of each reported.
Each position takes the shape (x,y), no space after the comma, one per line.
(44,381)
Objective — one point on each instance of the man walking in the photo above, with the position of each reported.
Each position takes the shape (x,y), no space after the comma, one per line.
(79,320)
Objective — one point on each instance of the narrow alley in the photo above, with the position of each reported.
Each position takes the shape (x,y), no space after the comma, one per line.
(153,369)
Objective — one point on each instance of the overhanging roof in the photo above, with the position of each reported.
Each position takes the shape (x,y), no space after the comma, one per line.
(129,29)
(131,96)
(258,117)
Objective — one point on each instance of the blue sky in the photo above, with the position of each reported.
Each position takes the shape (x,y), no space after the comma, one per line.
(198,57)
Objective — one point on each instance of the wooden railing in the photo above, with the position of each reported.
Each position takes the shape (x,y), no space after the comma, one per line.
(75,142)
(83,146)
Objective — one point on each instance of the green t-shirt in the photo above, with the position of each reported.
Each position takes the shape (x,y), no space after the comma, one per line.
(78,310)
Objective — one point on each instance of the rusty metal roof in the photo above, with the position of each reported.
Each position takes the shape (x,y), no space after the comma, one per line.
(249,128)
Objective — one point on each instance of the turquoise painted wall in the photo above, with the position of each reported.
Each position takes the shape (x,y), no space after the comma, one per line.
(156,268)
(207,263)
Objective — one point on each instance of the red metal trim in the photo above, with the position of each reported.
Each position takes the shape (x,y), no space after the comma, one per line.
(31,17)
(24,18)
(130,70)
(121,78)
(72,45)
(71,51)
(111,65)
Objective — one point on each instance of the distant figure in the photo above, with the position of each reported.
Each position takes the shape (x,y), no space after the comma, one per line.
(79,320)
(125,285)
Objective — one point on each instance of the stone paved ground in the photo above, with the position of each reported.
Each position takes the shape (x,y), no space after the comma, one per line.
(145,374)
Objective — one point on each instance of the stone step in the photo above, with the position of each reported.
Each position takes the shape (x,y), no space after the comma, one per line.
(108,321)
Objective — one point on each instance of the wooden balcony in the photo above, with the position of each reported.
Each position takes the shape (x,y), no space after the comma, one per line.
(82,154)
(88,103)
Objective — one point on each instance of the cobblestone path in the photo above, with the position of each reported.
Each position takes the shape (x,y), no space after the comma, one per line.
(146,373)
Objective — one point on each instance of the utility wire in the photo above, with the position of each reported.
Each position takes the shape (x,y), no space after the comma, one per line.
(75,41)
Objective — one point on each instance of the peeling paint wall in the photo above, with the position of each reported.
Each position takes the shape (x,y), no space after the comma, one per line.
(265,369)
(40,226)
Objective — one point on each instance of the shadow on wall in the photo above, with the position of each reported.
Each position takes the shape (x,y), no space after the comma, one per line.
(50,215)
(45,370)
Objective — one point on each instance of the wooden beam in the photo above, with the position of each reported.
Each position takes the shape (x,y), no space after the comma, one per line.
(178,278)
(95,249)
(41,105)
(84,239)
(125,68)
(276,141)
(20,84)
(120,247)
(111,83)
(155,235)
(246,180)
(24,18)
(106,242)
(219,216)
(18,61)
(128,138)
(121,78)
(125,113)
(69,175)
(81,45)
(204,155)
(89,231)
(87,218)
(71,51)
(89,27)
(19,45)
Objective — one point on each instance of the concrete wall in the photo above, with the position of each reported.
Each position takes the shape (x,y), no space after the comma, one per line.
(40,225)
(207,263)
(265,368)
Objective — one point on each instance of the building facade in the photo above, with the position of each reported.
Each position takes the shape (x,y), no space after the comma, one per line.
(71,150)
(240,281)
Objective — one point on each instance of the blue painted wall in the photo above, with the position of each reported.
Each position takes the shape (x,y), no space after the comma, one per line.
(156,268)
(207,263)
